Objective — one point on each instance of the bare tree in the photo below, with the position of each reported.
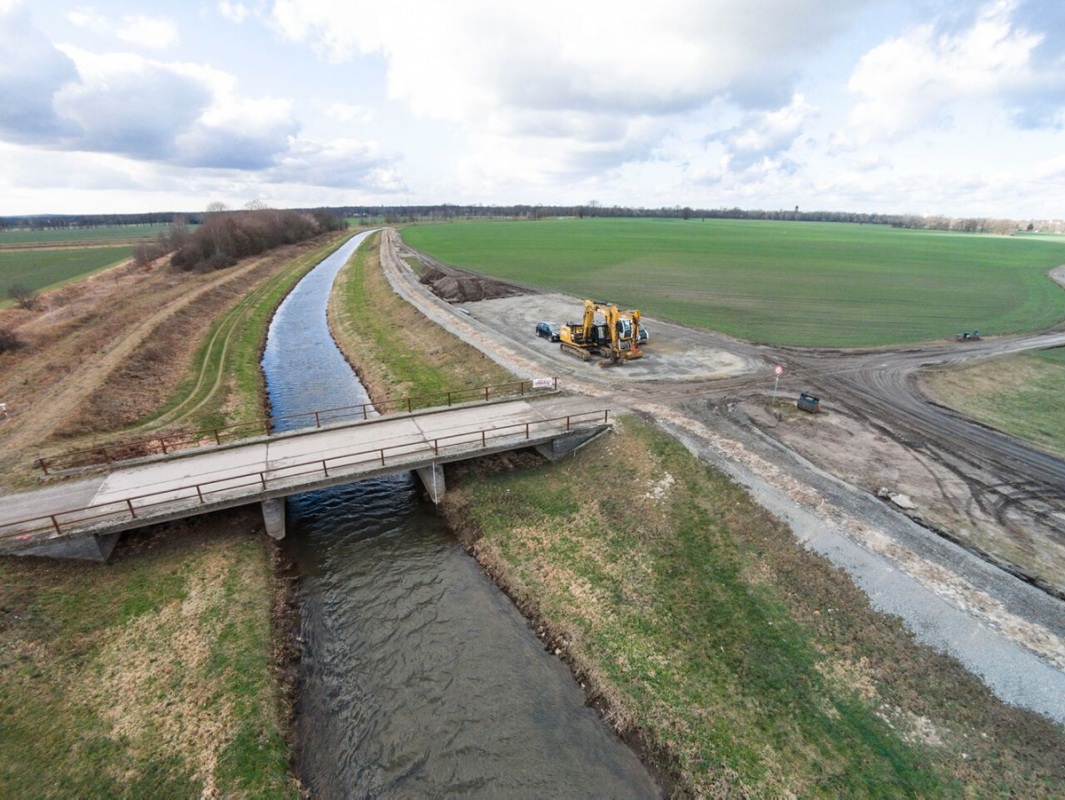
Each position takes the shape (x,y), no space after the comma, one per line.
(178,235)
(23,295)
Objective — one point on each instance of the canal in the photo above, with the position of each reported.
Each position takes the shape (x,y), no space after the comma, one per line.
(419,678)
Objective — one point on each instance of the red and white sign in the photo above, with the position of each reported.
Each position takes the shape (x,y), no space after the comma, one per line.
(779,370)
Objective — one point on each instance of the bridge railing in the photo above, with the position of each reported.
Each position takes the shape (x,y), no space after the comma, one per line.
(153,505)
(116,452)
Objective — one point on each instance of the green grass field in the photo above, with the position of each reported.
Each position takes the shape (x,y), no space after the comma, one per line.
(63,235)
(817,284)
(41,269)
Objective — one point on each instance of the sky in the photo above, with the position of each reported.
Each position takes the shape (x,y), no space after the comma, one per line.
(928,107)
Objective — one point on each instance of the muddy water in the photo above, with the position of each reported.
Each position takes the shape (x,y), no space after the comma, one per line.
(420,679)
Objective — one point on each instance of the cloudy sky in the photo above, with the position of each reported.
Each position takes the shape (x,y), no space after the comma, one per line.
(951,107)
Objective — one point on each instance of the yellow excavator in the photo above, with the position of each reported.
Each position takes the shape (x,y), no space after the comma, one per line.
(614,339)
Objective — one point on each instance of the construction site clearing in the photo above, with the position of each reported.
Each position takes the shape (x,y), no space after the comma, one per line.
(673,355)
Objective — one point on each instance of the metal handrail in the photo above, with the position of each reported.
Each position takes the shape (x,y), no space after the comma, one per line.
(134,507)
(169,443)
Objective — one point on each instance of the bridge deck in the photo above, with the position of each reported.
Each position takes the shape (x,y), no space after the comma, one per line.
(193,482)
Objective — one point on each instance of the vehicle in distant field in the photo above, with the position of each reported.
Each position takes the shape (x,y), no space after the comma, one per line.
(967,336)
(548,330)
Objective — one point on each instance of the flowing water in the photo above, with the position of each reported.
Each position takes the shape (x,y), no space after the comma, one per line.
(419,677)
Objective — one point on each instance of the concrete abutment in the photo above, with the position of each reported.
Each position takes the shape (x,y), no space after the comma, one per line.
(274,517)
(432,478)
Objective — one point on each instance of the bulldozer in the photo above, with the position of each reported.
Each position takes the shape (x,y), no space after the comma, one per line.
(614,339)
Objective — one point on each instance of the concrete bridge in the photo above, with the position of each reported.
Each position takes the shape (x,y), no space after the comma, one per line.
(83,519)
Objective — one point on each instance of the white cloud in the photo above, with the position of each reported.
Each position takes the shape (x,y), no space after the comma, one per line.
(1051,169)
(174,113)
(339,163)
(451,60)
(349,112)
(157,33)
(90,20)
(123,103)
(238,133)
(539,157)
(578,83)
(691,102)
(234,12)
(762,138)
(916,80)
(31,71)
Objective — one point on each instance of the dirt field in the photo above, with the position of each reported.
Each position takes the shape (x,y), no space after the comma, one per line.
(679,353)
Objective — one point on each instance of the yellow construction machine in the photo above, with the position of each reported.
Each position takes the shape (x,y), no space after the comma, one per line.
(615,338)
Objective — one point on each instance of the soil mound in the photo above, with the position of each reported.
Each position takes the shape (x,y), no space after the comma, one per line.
(456,286)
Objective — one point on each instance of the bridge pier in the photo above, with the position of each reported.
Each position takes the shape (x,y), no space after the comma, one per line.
(274,517)
(433,480)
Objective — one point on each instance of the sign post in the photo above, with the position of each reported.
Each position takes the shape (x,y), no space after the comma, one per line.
(778,371)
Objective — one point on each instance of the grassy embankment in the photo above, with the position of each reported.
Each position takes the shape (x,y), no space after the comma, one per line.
(743,662)
(1020,395)
(152,676)
(396,351)
(155,675)
(225,384)
(816,284)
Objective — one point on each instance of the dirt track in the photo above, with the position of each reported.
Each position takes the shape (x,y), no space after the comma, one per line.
(1001,500)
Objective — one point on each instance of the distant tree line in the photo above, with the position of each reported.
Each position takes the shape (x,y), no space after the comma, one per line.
(41,222)
(390,215)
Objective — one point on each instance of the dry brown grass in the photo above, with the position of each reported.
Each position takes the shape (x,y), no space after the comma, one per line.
(105,352)
(151,676)
(150,680)
(1019,395)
